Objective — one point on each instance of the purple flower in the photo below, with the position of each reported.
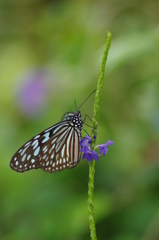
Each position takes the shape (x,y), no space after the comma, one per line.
(90,155)
(84,143)
(103,148)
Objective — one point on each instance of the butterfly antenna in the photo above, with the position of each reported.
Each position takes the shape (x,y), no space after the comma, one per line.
(75,106)
(86,99)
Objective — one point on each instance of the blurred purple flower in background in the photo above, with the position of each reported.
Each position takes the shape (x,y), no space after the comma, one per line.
(32,93)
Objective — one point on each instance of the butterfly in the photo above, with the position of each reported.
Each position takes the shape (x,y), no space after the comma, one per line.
(54,149)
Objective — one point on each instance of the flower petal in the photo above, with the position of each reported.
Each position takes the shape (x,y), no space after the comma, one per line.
(84,148)
(85,141)
(109,143)
(90,155)
(103,148)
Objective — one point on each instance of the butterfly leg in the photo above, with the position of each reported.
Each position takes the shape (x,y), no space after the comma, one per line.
(85,118)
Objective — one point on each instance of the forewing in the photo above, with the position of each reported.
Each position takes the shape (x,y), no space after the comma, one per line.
(27,157)
(62,151)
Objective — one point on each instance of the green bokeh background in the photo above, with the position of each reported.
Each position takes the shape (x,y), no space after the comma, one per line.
(67,39)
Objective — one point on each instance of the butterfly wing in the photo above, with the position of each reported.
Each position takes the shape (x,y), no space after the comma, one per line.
(62,151)
(38,151)
(68,116)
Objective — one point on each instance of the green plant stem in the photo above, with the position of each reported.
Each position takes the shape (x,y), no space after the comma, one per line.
(94,133)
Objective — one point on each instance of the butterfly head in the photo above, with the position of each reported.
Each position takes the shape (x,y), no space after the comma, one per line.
(77,121)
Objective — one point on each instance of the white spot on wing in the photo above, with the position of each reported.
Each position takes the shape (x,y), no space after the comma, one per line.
(24,150)
(37,136)
(52,156)
(51,149)
(32,160)
(35,144)
(76,147)
(63,150)
(23,158)
(68,141)
(53,140)
(27,144)
(57,156)
(48,129)
(36,152)
(46,135)
(45,149)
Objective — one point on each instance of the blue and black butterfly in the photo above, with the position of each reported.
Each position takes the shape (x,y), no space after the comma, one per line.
(53,150)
